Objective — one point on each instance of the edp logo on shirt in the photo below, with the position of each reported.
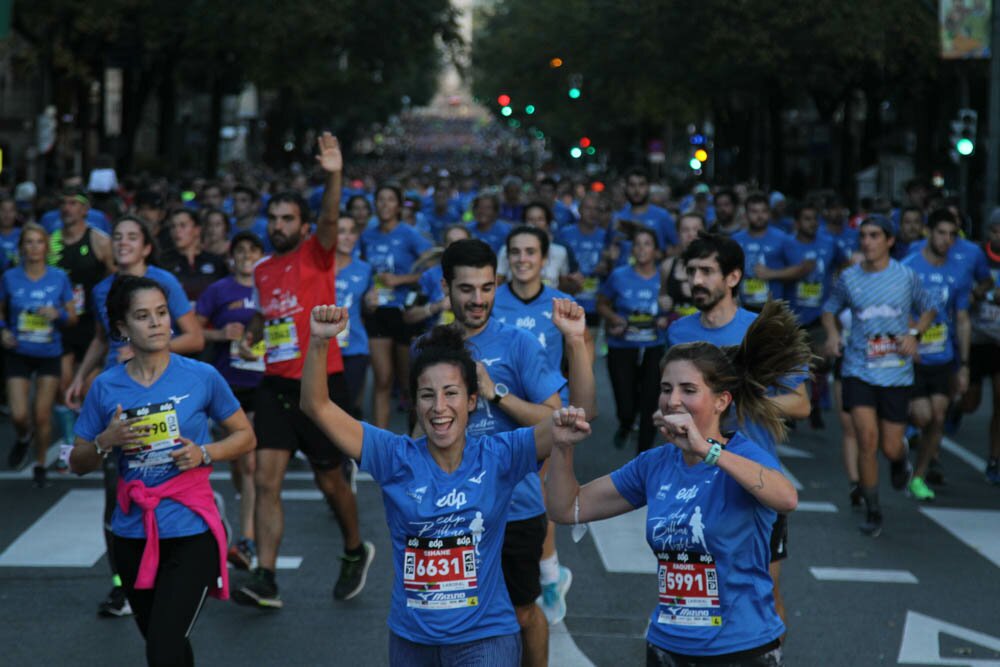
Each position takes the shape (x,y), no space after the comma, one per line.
(454,499)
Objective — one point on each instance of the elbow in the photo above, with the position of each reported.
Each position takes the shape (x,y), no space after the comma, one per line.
(309,406)
(563,518)
(250,444)
(800,409)
(788,501)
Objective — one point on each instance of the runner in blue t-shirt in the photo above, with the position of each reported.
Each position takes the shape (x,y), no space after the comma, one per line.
(640,210)
(636,330)
(944,279)
(75,203)
(447,496)
(714,265)
(431,305)
(487,226)
(354,281)
(391,249)
(764,251)
(586,240)
(711,497)
(151,416)
(36,302)
(224,310)
(878,366)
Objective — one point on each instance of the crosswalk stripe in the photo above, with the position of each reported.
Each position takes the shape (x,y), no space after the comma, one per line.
(977,528)
(563,651)
(863,575)
(789,452)
(963,454)
(621,543)
(68,535)
(791,478)
(812,506)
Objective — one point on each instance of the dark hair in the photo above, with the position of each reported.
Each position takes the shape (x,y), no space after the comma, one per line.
(939,215)
(641,229)
(291,197)
(444,344)
(691,214)
(807,206)
(247,190)
(487,195)
(728,254)
(147,235)
(354,198)
(756,198)
(245,235)
(149,199)
(453,227)
(467,252)
(215,211)
(521,230)
(637,171)
(911,209)
(726,193)
(396,190)
(774,349)
(185,211)
(120,299)
(549,217)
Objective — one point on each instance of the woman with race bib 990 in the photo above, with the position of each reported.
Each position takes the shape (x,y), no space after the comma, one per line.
(446,499)
(152,415)
(711,498)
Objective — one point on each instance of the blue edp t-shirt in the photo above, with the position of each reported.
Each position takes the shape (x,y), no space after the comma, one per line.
(393,252)
(636,299)
(36,335)
(352,282)
(947,285)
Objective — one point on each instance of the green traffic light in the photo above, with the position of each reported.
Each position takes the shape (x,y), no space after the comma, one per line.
(591,150)
(574,93)
(964,146)
(530,109)
(575,152)
(506,111)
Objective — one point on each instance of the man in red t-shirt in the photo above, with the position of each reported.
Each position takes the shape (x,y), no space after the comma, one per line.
(288,284)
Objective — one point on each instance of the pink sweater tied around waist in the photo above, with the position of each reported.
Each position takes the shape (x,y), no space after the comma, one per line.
(191,489)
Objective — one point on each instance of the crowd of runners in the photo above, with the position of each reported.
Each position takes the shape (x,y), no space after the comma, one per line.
(169,328)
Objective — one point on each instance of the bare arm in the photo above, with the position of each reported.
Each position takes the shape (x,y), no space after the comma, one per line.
(832,326)
(92,359)
(333,164)
(578,347)
(191,339)
(102,249)
(239,440)
(963,333)
(793,405)
(597,500)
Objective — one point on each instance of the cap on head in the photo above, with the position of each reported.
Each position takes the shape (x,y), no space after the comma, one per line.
(882,223)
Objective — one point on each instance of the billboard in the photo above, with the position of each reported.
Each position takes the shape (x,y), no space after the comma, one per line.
(965,28)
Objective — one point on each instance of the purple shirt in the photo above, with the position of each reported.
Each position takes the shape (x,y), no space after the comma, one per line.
(223,302)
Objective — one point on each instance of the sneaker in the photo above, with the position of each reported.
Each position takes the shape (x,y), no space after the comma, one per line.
(116,605)
(993,472)
(919,490)
(855,496)
(553,597)
(220,504)
(241,555)
(353,573)
(260,591)
(39,478)
(935,473)
(19,451)
(902,472)
(872,525)
(621,437)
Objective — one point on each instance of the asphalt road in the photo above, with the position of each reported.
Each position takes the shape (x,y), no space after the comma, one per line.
(924,593)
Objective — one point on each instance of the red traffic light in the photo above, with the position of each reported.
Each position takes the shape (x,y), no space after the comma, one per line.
(584,142)
(504,100)
(597,186)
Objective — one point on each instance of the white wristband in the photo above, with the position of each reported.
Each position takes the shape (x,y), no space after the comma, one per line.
(100,450)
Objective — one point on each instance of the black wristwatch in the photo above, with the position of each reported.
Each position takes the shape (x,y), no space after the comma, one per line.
(499,391)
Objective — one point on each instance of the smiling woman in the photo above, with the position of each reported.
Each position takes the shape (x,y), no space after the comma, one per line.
(446,499)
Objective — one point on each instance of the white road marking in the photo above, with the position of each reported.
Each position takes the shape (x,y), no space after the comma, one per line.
(621,543)
(563,651)
(862,575)
(921,643)
(791,478)
(963,454)
(817,506)
(979,529)
(789,452)
(301,494)
(69,534)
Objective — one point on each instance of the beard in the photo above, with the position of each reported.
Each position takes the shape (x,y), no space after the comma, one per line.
(705,300)
(282,243)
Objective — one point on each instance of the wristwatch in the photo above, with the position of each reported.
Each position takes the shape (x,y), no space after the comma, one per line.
(206,460)
(914,332)
(499,391)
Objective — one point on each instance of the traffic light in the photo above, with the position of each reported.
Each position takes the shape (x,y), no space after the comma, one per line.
(574,93)
(530,109)
(575,86)
(701,155)
(575,152)
(963,133)
(584,142)
(503,100)
(556,63)
(506,111)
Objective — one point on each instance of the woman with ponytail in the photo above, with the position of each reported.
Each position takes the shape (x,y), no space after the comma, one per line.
(711,496)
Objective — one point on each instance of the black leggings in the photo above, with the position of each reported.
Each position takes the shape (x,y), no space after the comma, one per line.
(110,469)
(769,655)
(635,379)
(166,614)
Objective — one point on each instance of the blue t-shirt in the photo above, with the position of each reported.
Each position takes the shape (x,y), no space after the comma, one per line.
(636,299)
(806,295)
(177,304)
(36,335)
(966,254)
(447,532)
(535,317)
(586,249)
(881,303)
(514,358)
(946,285)
(179,403)
(52,220)
(8,247)
(438,222)
(656,218)
(711,539)
(769,250)
(352,282)
(393,252)
(259,228)
(226,301)
(846,240)
(495,237)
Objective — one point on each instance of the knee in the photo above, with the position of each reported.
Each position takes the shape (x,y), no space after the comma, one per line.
(526,615)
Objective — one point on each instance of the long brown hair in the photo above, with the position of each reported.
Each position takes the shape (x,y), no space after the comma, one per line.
(774,351)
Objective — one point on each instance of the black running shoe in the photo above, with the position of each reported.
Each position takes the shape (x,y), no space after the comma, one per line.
(935,474)
(902,472)
(872,525)
(116,605)
(19,451)
(260,591)
(353,573)
(39,478)
(856,496)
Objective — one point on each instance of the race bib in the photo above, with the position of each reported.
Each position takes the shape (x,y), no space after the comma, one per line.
(239,363)
(281,340)
(589,291)
(80,299)
(808,294)
(689,589)
(754,291)
(934,340)
(161,435)
(641,328)
(447,317)
(440,572)
(385,294)
(883,352)
(33,328)
(685,309)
